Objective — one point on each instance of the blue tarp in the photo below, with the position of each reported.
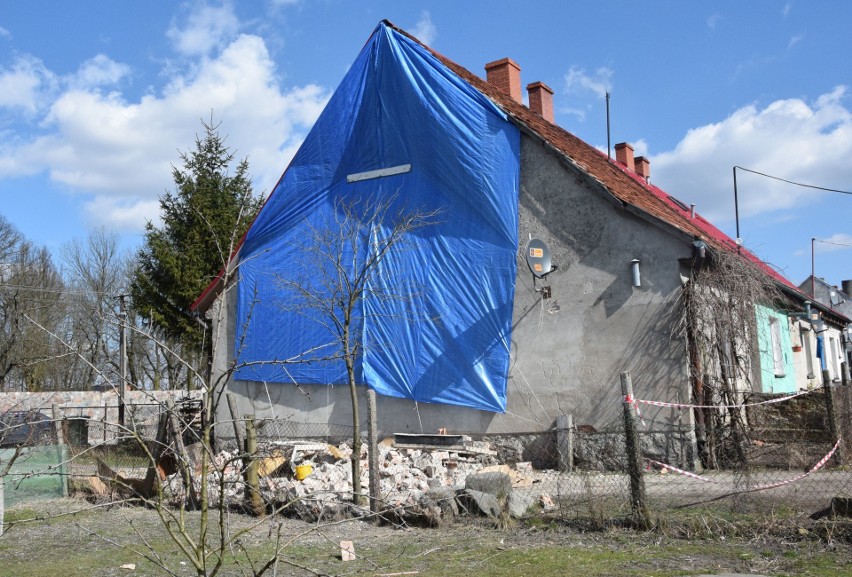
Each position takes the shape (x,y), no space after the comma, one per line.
(447,339)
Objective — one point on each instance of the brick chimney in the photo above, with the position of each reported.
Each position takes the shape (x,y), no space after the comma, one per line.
(541,100)
(505,74)
(643,168)
(624,155)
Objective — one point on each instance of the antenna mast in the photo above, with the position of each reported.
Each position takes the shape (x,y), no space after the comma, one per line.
(608,154)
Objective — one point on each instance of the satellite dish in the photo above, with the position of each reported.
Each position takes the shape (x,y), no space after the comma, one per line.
(538,258)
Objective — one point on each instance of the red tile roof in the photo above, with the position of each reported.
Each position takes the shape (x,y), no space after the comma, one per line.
(628,187)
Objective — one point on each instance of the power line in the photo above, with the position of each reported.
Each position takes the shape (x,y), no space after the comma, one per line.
(832,242)
(795,183)
(55,290)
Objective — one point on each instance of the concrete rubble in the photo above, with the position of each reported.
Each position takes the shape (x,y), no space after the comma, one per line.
(429,483)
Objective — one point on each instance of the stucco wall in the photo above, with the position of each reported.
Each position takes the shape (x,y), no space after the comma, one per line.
(805,362)
(567,351)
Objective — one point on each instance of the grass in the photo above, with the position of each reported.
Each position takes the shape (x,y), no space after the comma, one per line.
(71,541)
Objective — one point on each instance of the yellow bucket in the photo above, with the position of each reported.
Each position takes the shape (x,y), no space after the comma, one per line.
(304,471)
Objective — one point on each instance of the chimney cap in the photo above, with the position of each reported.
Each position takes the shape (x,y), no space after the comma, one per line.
(501,62)
(539,84)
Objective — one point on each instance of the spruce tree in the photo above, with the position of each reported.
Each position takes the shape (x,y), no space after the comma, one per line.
(202,220)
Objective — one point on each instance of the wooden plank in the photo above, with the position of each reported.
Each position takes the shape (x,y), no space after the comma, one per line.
(450,448)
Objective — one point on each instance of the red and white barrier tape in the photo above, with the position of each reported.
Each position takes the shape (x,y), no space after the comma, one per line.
(681,471)
(689,406)
(814,469)
(632,401)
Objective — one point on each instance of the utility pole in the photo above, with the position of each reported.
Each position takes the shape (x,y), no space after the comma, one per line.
(122,351)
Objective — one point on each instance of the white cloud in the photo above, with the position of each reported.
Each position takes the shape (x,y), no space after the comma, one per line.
(785,11)
(835,242)
(578,113)
(795,40)
(424,30)
(791,139)
(116,154)
(640,147)
(203,28)
(598,83)
(22,86)
(99,71)
(121,214)
(5,33)
(712,20)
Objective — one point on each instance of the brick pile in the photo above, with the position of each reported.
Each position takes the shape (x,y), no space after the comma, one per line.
(413,481)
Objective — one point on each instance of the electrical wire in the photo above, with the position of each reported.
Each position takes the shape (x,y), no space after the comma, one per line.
(832,242)
(55,290)
(795,183)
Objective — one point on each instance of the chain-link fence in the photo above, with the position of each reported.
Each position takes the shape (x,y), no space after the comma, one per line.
(769,455)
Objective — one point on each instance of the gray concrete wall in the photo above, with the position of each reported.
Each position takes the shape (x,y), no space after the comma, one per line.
(567,351)
(99,409)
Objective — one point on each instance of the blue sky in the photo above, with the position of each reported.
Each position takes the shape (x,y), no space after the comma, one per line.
(98,98)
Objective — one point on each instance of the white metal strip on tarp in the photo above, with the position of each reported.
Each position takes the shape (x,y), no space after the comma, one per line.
(402,168)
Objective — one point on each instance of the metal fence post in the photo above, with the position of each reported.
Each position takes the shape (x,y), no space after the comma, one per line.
(638,506)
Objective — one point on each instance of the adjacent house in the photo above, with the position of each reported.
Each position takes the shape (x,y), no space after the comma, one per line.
(486,344)
(832,340)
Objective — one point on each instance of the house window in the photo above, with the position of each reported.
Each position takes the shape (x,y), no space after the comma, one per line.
(777,352)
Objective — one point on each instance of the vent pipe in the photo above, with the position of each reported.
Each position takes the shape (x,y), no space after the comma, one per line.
(636,276)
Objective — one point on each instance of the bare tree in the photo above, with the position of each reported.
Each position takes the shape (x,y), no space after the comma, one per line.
(720,327)
(29,285)
(344,255)
(94,270)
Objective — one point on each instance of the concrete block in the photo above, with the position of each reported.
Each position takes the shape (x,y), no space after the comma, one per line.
(496,483)
(485,503)
(519,504)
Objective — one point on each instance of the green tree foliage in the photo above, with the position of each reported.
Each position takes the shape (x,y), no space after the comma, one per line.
(202,220)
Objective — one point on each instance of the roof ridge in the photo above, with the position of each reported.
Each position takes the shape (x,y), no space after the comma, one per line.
(626,186)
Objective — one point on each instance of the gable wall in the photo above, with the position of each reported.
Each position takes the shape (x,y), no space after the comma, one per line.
(565,361)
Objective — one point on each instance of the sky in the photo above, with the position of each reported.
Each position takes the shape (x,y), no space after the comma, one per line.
(98,99)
